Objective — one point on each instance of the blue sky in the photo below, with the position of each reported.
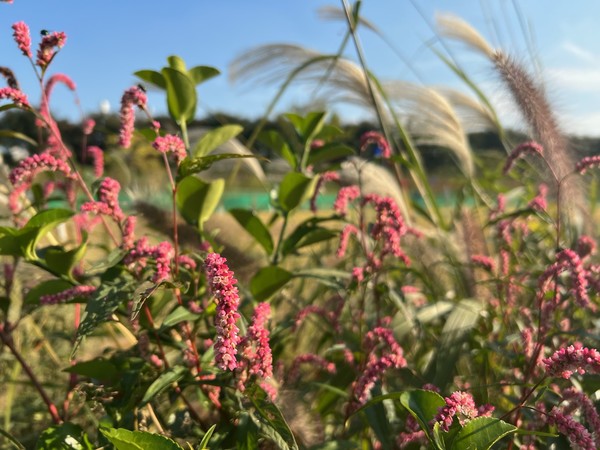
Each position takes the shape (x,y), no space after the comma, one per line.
(109,40)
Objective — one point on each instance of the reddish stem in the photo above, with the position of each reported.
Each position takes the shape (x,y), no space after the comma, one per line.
(6,338)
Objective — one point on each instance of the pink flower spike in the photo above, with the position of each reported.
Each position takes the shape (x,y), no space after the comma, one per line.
(48,46)
(171,144)
(98,157)
(132,97)
(485,262)
(17,97)
(345,196)
(586,163)
(382,147)
(57,78)
(22,38)
(27,169)
(221,283)
(520,150)
(88,126)
(575,358)
(69,294)
(577,434)
(459,404)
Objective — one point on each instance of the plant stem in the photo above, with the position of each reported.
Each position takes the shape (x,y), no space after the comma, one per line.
(7,340)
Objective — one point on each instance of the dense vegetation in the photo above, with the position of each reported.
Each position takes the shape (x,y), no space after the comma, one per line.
(387,319)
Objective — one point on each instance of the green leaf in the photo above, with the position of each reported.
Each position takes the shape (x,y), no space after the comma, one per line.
(112,259)
(177,63)
(165,380)
(16,135)
(124,439)
(309,126)
(38,226)
(181,95)
(100,307)
(61,261)
(64,436)
(336,279)
(214,138)
(99,368)
(269,420)
(190,166)
(153,77)
(423,406)
(10,241)
(253,225)
(178,315)
(204,442)
(293,190)
(200,74)
(274,141)
(47,287)
(268,281)
(481,433)
(142,293)
(197,200)
(457,329)
(307,233)
(246,433)
(380,424)
(328,153)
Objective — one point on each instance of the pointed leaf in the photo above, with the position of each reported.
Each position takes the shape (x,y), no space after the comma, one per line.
(99,368)
(268,281)
(206,438)
(481,433)
(177,63)
(423,406)
(178,315)
(309,126)
(253,225)
(214,138)
(197,200)
(165,380)
(269,419)
(457,329)
(181,95)
(329,152)
(307,233)
(16,135)
(100,307)
(190,166)
(293,190)
(277,143)
(200,74)
(38,226)
(66,435)
(152,77)
(142,293)
(61,261)
(124,439)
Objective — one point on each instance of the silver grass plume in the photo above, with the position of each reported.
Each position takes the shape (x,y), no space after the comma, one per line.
(531,100)
(432,120)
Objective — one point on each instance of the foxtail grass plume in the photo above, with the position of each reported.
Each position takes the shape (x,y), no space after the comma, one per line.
(456,28)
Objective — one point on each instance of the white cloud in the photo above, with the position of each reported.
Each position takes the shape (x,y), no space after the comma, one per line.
(576,79)
(579,52)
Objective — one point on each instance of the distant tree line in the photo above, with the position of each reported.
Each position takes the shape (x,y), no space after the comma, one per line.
(435,157)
